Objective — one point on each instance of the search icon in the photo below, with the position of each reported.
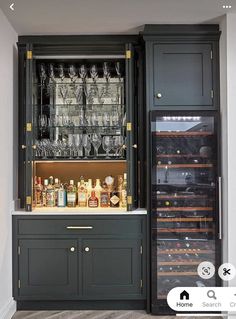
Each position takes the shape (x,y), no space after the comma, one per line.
(211,294)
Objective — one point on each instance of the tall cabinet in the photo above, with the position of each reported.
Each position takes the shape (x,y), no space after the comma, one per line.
(183,156)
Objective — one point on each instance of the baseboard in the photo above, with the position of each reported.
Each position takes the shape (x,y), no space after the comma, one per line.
(8,310)
(82,305)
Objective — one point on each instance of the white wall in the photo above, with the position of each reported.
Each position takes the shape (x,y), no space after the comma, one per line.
(8,119)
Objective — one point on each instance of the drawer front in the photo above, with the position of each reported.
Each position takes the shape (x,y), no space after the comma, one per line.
(79,226)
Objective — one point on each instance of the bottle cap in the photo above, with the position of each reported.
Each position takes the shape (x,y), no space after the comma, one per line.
(46,182)
(71,182)
(56,180)
(125,175)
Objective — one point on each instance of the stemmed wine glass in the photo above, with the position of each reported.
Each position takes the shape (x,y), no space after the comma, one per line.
(83,72)
(115,117)
(106,119)
(107,144)
(106,71)
(96,140)
(117,66)
(118,142)
(86,144)
(94,72)
(43,121)
(78,139)
(42,75)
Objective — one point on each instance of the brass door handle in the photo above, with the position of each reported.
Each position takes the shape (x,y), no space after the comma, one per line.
(79,227)
(86,249)
(72,249)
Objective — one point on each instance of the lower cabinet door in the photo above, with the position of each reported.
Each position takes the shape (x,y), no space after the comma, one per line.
(48,268)
(112,269)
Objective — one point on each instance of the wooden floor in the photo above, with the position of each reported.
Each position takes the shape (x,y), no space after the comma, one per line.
(99,314)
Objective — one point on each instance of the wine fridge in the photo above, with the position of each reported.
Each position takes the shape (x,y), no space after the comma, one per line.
(184,201)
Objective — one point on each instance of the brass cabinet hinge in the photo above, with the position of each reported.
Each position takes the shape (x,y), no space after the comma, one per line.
(129,200)
(141,283)
(212,94)
(28,200)
(141,250)
(211,55)
(128,54)
(28,127)
(129,126)
(18,250)
(29,55)
(19,284)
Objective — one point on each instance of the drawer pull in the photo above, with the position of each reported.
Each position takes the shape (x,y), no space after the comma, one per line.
(72,249)
(86,249)
(79,227)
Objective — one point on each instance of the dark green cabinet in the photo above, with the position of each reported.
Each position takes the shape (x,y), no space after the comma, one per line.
(182,68)
(48,268)
(79,258)
(112,268)
(182,75)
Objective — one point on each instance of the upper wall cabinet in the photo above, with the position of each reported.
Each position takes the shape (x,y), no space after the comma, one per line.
(182,66)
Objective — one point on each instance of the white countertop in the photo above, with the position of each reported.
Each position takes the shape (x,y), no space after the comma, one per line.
(80,211)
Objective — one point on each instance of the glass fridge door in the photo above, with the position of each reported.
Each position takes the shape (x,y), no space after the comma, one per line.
(183,199)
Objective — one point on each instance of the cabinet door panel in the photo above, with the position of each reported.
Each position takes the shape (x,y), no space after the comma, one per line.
(48,268)
(112,269)
(182,75)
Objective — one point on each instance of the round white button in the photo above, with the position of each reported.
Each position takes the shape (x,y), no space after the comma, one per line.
(227,271)
(206,270)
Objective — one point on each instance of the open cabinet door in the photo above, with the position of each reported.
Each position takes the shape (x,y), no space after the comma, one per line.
(28,129)
(131,127)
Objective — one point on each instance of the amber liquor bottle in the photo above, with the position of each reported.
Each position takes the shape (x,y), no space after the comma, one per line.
(82,193)
(93,200)
(104,196)
(115,199)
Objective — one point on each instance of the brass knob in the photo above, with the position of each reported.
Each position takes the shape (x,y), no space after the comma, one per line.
(72,249)
(23,147)
(86,249)
(159,95)
(34,147)
(135,146)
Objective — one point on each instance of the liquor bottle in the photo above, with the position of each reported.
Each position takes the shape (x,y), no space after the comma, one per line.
(50,194)
(123,202)
(44,193)
(61,196)
(71,194)
(56,188)
(89,187)
(93,200)
(38,192)
(50,180)
(82,193)
(114,198)
(98,189)
(35,187)
(104,196)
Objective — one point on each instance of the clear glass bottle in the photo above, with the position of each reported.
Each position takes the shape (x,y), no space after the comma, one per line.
(61,196)
(89,187)
(98,189)
(44,193)
(56,187)
(93,200)
(38,192)
(71,194)
(50,194)
(82,193)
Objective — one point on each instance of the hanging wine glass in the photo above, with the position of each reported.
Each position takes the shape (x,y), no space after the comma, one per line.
(106,119)
(83,72)
(94,72)
(96,140)
(72,73)
(117,67)
(106,71)
(78,139)
(52,78)
(42,73)
(61,72)
(107,144)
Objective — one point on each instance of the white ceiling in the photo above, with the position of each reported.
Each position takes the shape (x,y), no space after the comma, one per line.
(34,17)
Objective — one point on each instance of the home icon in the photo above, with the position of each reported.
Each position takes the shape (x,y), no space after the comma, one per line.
(184,295)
